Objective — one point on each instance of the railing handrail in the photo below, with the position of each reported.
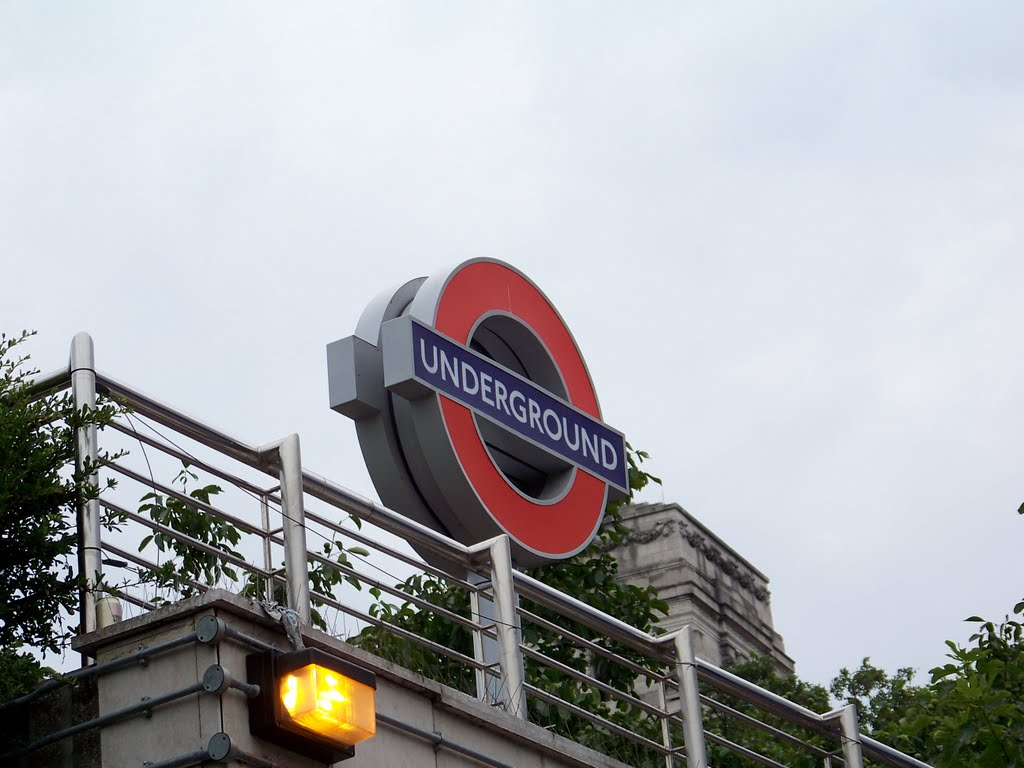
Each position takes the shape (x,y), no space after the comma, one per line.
(663,648)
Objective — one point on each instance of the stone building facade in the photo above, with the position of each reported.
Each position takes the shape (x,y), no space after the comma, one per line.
(706,583)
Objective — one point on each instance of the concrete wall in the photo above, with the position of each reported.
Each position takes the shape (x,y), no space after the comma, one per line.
(188,724)
(705,582)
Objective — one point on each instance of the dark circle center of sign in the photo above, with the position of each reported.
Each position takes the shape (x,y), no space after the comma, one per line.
(534,472)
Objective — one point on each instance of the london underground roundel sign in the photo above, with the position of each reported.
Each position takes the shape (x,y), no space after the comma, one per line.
(476,414)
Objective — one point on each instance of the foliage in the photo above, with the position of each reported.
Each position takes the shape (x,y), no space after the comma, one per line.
(40,490)
(762,671)
(21,673)
(972,713)
(188,570)
(590,576)
(188,567)
(880,699)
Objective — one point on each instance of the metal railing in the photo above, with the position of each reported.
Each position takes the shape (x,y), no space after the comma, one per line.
(508,635)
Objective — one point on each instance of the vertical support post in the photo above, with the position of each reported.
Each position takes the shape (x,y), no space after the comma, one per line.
(294,524)
(666,732)
(268,561)
(510,655)
(485,648)
(90,559)
(689,700)
(849,729)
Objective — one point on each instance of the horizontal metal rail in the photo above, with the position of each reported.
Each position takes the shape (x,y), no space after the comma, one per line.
(50,383)
(392,522)
(101,669)
(187,458)
(411,560)
(602,722)
(419,602)
(578,611)
(404,633)
(586,679)
(108,719)
(440,742)
(315,485)
(142,562)
(660,650)
(769,729)
(876,750)
(739,749)
(173,493)
(186,539)
(590,645)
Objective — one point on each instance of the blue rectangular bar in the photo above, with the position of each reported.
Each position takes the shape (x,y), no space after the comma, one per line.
(520,406)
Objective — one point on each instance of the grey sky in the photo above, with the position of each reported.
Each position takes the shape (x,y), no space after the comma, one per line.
(787,236)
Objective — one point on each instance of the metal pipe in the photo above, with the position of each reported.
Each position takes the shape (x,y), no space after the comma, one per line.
(50,383)
(395,523)
(249,640)
(218,679)
(440,742)
(689,700)
(760,697)
(405,634)
(739,749)
(373,541)
(883,753)
(268,562)
(577,610)
(173,493)
(316,485)
(507,626)
(598,720)
(850,730)
(184,457)
(589,645)
(98,669)
(82,367)
(103,720)
(184,538)
(582,677)
(180,422)
(778,733)
(182,761)
(405,596)
(666,734)
(391,521)
(294,514)
(219,749)
(483,648)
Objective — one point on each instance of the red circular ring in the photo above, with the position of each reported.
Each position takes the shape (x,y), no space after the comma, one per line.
(558,529)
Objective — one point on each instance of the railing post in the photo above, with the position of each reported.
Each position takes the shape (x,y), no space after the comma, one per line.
(689,700)
(268,560)
(293,511)
(510,655)
(90,558)
(666,732)
(485,649)
(849,728)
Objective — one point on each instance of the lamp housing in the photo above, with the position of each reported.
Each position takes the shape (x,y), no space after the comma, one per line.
(311,702)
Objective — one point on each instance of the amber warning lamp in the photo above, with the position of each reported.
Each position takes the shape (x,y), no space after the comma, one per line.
(311,702)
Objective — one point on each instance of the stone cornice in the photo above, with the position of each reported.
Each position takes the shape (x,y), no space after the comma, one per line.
(699,542)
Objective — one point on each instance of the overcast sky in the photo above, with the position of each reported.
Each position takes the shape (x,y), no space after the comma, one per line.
(788,237)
